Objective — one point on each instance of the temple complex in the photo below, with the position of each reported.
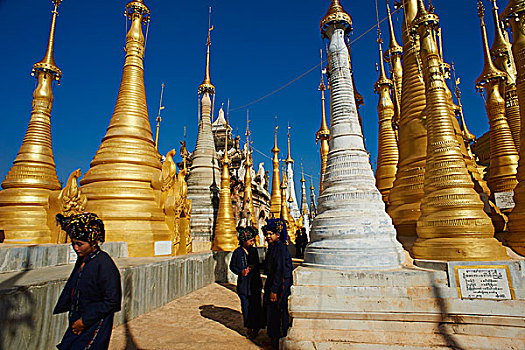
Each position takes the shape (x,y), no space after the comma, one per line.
(418,246)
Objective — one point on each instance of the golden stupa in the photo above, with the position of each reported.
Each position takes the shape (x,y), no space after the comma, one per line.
(24,200)
(275,201)
(503,153)
(119,182)
(387,152)
(407,192)
(225,237)
(515,12)
(453,225)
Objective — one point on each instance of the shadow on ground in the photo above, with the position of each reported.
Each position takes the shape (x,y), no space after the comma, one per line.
(232,319)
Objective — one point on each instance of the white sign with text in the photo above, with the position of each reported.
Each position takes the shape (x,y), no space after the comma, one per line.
(483,282)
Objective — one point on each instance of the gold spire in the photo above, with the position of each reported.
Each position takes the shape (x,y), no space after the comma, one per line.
(387,155)
(127,164)
(503,154)
(289,158)
(161,107)
(225,238)
(302,173)
(337,14)
(206,85)
(285,211)
(248,194)
(393,46)
(48,62)
(275,202)
(24,200)
(393,55)
(500,45)
(323,134)
(453,225)
(489,70)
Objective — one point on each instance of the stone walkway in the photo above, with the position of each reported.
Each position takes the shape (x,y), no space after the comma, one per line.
(209,318)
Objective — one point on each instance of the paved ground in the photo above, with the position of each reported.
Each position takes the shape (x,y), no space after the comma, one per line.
(209,318)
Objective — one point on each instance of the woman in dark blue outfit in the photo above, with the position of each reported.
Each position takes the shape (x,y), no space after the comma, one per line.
(278,280)
(92,293)
(245,264)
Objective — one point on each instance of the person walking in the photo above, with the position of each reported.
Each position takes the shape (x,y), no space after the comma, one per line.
(92,293)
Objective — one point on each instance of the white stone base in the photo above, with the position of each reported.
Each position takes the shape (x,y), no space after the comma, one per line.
(406,308)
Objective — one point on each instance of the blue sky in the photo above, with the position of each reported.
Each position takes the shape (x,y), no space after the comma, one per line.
(257,46)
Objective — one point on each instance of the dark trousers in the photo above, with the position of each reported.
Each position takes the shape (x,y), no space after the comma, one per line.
(252,314)
(277,315)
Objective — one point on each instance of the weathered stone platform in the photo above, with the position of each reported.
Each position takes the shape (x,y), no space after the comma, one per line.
(27,297)
(406,308)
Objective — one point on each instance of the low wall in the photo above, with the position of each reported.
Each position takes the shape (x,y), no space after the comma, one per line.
(27,298)
(20,257)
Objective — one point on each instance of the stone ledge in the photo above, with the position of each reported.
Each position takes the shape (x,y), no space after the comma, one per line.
(20,257)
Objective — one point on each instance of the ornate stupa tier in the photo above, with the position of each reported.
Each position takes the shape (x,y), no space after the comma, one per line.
(275,202)
(515,12)
(405,196)
(453,225)
(24,200)
(351,229)
(119,182)
(225,238)
(203,181)
(290,189)
(503,153)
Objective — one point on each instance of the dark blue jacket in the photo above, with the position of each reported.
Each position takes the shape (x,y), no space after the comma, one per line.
(278,269)
(252,283)
(93,291)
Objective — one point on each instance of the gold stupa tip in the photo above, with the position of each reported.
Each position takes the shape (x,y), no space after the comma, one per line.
(500,44)
(302,173)
(336,15)
(393,47)
(47,64)
(490,72)
(275,149)
(382,79)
